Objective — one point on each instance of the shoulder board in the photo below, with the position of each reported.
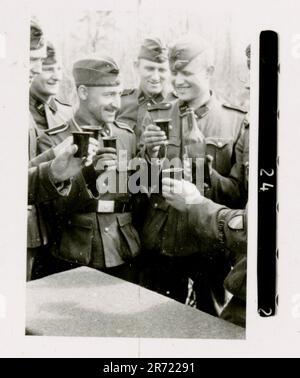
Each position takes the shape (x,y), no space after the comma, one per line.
(235,107)
(124,126)
(58,129)
(62,103)
(127,92)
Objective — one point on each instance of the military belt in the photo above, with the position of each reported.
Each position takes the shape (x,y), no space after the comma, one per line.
(105,206)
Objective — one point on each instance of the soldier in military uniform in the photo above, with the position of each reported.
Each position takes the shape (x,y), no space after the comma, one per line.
(166,237)
(95,229)
(153,71)
(222,227)
(47,178)
(46,109)
(34,232)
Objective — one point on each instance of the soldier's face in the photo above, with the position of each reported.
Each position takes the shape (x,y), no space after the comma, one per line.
(47,82)
(35,67)
(153,76)
(35,63)
(191,83)
(104,102)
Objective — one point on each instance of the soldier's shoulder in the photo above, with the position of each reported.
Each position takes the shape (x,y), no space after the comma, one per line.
(124,126)
(58,129)
(63,103)
(128,92)
(231,106)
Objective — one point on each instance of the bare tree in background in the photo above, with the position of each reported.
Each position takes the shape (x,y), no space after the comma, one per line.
(120,33)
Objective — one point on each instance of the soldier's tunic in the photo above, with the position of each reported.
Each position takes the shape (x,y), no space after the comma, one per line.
(226,229)
(166,231)
(40,189)
(88,235)
(50,114)
(232,191)
(134,105)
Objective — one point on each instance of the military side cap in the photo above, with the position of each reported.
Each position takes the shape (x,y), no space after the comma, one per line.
(37,40)
(96,72)
(187,48)
(51,57)
(153,49)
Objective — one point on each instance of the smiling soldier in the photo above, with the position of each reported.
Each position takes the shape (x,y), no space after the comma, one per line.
(94,228)
(173,255)
(152,69)
(46,109)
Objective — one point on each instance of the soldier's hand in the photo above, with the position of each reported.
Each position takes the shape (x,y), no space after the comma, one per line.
(65,165)
(153,138)
(180,193)
(92,151)
(105,158)
(63,145)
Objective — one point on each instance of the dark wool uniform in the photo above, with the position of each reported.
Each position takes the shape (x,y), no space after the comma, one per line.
(135,105)
(40,186)
(226,229)
(166,231)
(36,229)
(172,253)
(96,232)
(49,115)
(232,190)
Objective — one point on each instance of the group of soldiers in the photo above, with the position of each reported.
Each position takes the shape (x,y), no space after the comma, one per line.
(187,244)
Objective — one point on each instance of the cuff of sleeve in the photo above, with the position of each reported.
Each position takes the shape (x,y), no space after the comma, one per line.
(205,220)
(61,188)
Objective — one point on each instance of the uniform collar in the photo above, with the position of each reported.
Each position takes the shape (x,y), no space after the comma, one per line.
(79,121)
(142,98)
(40,104)
(200,112)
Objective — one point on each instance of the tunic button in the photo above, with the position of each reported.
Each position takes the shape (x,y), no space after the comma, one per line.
(155,205)
(106,229)
(220,144)
(149,104)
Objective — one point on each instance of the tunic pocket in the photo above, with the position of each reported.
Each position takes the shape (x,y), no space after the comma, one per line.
(221,150)
(76,241)
(131,245)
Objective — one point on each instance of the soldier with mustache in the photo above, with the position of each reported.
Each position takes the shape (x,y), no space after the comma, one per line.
(93,226)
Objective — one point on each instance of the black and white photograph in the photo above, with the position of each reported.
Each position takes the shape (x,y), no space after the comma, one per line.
(141,215)
(138,174)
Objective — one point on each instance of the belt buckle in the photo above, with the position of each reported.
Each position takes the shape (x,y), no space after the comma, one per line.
(105,206)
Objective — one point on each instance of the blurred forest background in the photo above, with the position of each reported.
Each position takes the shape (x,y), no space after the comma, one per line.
(119,33)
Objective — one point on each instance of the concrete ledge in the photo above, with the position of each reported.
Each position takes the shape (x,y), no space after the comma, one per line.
(86,302)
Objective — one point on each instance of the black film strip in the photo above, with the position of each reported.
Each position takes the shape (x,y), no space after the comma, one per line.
(267,174)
